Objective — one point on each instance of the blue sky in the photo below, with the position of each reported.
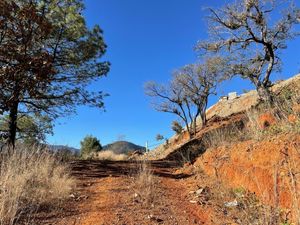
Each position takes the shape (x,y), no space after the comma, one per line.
(147,40)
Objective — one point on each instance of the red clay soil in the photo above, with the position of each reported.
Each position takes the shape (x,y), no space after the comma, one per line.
(105,195)
(178,141)
(269,168)
(194,194)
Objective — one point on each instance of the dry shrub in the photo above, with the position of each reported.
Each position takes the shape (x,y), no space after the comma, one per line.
(225,135)
(263,120)
(29,179)
(109,155)
(144,184)
(281,117)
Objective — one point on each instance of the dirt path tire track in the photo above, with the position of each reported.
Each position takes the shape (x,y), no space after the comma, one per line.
(105,196)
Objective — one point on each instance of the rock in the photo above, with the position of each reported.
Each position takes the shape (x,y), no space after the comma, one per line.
(199,191)
(150,216)
(193,201)
(231,204)
(202,191)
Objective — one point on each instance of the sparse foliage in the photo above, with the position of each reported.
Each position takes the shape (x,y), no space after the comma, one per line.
(199,81)
(187,94)
(252,34)
(159,137)
(177,127)
(170,98)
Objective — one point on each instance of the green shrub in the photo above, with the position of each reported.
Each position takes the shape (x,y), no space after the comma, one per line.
(89,145)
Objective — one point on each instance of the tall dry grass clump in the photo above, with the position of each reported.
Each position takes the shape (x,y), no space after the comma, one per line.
(283,116)
(109,155)
(144,184)
(29,179)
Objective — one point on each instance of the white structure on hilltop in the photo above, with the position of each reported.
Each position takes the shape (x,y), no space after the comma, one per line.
(230,96)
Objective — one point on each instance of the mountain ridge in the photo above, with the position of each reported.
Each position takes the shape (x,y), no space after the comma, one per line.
(123,147)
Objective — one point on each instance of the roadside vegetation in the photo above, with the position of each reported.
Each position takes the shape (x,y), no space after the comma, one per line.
(262,121)
(89,146)
(109,155)
(144,185)
(31,179)
(48,58)
(245,39)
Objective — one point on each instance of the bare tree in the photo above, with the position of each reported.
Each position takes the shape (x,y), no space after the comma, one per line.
(188,92)
(251,34)
(198,82)
(171,99)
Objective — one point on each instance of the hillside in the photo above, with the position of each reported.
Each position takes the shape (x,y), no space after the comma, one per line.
(221,114)
(242,168)
(123,147)
(249,147)
(63,147)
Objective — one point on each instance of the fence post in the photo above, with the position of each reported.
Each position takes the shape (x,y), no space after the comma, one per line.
(147,146)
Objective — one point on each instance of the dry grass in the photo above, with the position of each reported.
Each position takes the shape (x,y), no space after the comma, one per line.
(144,184)
(109,155)
(29,179)
(225,135)
(292,166)
(280,112)
(286,106)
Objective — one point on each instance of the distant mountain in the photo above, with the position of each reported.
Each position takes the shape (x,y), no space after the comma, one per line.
(63,147)
(124,147)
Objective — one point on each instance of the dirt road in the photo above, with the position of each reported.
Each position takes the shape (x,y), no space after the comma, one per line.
(111,193)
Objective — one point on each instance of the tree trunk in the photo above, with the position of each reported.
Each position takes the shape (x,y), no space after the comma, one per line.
(194,126)
(264,94)
(12,124)
(203,117)
(203,112)
(188,129)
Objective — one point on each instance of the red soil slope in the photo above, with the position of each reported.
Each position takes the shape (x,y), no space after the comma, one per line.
(267,168)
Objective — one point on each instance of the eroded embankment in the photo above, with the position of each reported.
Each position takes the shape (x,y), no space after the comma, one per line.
(269,168)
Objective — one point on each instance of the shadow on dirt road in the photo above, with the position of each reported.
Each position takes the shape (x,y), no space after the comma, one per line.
(87,169)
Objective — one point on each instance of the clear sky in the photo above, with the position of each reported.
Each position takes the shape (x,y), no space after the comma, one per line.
(147,40)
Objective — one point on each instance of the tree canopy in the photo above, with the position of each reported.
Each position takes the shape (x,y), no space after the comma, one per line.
(252,33)
(187,94)
(31,130)
(48,57)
